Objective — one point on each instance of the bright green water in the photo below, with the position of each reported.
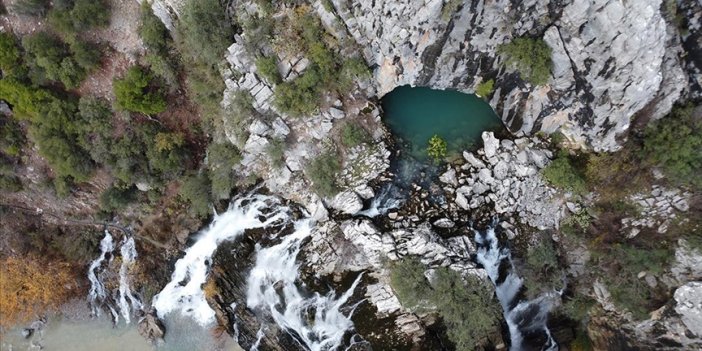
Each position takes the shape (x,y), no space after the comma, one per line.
(416,114)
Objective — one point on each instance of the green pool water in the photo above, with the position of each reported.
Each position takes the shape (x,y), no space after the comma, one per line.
(416,114)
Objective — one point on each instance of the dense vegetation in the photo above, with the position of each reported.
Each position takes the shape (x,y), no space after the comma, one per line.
(136,92)
(530,57)
(465,304)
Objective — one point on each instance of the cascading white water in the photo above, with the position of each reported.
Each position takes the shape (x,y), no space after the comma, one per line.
(526,315)
(97,288)
(129,255)
(388,198)
(317,321)
(97,295)
(184,292)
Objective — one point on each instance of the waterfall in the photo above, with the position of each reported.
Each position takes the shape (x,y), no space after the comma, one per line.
(388,198)
(524,316)
(317,321)
(184,292)
(129,254)
(97,295)
(97,288)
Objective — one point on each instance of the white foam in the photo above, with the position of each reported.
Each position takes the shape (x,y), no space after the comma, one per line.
(184,292)
(126,298)
(316,321)
(97,288)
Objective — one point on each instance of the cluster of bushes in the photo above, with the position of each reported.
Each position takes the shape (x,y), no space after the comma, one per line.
(531,57)
(541,269)
(466,304)
(75,16)
(303,32)
(484,89)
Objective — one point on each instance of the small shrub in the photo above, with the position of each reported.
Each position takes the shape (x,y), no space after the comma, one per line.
(542,271)
(322,172)
(136,92)
(484,89)
(276,152)
(221,158)
(267,67)
(562,174)
(80,15)
(117,198)
(353,134)
(531,57)
(437,149)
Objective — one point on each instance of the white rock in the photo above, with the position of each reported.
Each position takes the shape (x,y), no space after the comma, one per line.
(491,144)
(347,202)
(449,177)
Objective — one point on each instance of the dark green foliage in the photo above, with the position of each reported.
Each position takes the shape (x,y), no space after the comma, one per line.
(466,304)
(95,125)
(562,173)
(152,31)
(137,92)
(116,198)
(467,307)
(531,57)
(267,67)
(353,134)
(351,70)
(80,15)
(322,171)
(77,247)
(205,31)
(276,152)
(411,286)
(577,307)
(11,137)
(675,144)
(195,189)
(10,55)
(55,131)
(34,8)
(50,58)
(239,114)
(221,158)
(86,55)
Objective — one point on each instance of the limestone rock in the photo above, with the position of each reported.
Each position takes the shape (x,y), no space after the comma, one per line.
(347,202)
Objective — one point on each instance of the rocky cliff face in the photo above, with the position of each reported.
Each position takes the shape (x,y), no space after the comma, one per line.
(611,59)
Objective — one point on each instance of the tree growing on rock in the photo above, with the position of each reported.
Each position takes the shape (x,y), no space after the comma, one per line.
(437,148)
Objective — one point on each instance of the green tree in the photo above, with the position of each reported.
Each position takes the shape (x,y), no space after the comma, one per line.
(675,144)
(276,152)
(205,31)
(531,57)
(437,148)
(50,58)
(195,189)
(221,159)
(137,92)
(410,285)
(322,172)
(484,89)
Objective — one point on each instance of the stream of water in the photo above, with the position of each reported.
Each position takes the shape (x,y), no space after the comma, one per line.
(522,317)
